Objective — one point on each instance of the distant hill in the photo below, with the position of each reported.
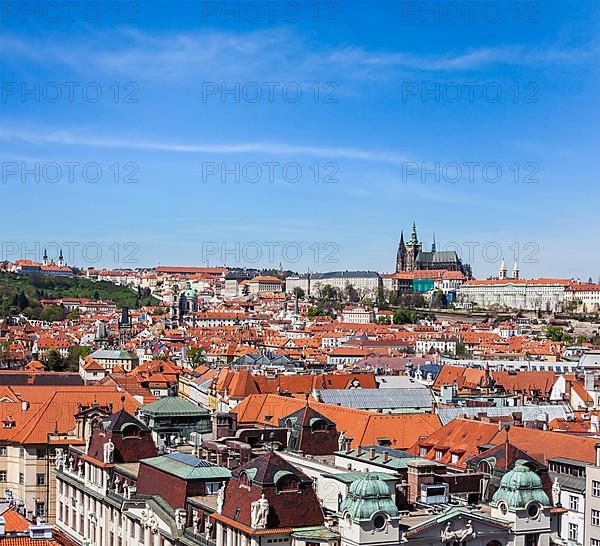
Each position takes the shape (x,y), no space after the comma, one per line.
(22,294)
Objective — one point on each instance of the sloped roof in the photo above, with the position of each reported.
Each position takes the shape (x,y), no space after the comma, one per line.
(172,406)
(364,427)
(187,467)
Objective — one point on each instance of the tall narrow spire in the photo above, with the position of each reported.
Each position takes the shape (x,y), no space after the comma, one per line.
(413,237)
(433,244)
(401,237)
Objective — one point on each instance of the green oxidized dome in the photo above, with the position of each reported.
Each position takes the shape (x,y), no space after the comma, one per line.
(519,487)
(367,496)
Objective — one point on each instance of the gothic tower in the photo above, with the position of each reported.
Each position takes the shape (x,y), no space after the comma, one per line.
(124,327)
(401,255)
(412,250)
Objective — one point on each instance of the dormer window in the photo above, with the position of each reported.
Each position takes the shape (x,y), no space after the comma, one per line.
(288,483)
(245,480)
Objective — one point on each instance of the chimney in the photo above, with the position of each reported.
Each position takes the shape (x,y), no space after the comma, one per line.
(359,451)
(386,457)
(372,453)
(24,405)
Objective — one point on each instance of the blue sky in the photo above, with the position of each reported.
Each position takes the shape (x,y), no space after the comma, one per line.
(350,123)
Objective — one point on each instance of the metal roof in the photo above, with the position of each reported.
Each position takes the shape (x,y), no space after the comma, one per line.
(530,413)
(172,406)
(187,467)
(394,398)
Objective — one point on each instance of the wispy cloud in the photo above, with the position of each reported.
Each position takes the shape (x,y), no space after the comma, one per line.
(134,143)
(269,55)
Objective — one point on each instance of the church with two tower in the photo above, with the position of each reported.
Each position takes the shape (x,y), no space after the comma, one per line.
(411,257)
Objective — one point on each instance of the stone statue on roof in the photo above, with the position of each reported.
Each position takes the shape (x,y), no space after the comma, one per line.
(59,457)
(556,490)
(109,450)
(220,499)
(259,511)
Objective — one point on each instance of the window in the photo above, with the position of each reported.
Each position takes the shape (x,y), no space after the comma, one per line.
(423,452)
(40,479)
(2,475)
(40,509)
(245,480)
(21,478)
(573,531)
(594,542)
(3,451)
(596,518)
(595,488)
(455,458)
(439,454)
(287,483)
(531,540)
(21,453)
(573,503)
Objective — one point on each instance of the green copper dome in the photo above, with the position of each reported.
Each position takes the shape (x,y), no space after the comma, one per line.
(367,496)
(520,487)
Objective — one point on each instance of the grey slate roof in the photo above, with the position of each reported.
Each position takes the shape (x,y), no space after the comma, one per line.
(187,467)
(172,406)
(113,355)
(394,398)
(448,256)
(530,413)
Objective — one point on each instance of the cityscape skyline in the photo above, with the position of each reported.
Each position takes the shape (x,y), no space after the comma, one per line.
(338,128)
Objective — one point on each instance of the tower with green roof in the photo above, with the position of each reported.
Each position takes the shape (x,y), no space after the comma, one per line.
(368,514)
(522,501)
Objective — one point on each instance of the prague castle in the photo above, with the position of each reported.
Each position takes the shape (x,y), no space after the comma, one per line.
(411,257)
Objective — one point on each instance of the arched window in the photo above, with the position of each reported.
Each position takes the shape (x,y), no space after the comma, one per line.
(245,480)
(485,467)
(131,431)
(319,426)
(288,483)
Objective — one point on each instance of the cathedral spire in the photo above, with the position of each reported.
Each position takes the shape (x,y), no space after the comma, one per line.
(413,237)
(433,244)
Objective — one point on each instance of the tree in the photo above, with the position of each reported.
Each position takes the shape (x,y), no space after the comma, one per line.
(350,293)
(404,316)
(54,361)
(53,313)
(298,292)
(196,356)
(327,292)
(245,290)
(556,333)
(461,350)
(22,301)
(5,353)
(75,352)
(315,312)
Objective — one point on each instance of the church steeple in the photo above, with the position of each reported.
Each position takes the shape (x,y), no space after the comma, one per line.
(502,272)
(45,258)
(413,237)
(433,244)
(401,255)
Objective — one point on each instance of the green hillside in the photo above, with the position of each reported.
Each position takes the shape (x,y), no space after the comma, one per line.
(22,293)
